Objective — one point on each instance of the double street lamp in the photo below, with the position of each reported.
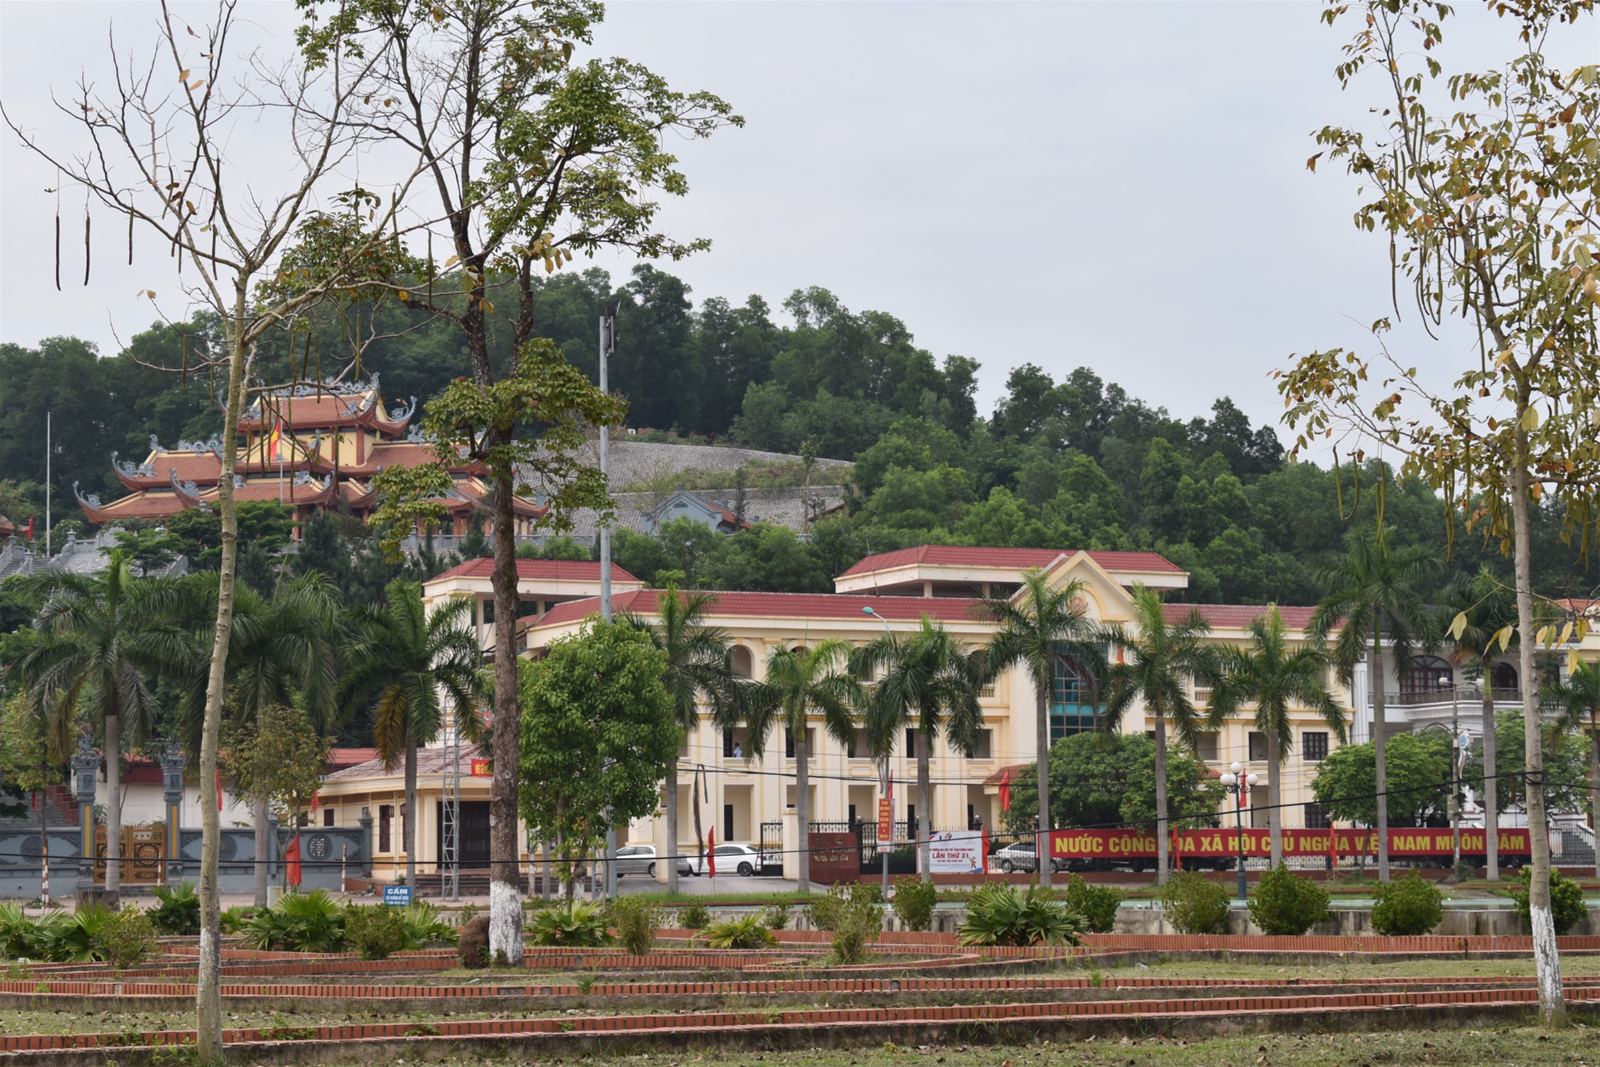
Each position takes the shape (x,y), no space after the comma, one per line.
(1236,782)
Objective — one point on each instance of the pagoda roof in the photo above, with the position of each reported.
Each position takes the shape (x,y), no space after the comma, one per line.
(329,406)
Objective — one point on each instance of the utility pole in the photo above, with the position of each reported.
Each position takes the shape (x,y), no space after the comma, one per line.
(47,448)
(608,342)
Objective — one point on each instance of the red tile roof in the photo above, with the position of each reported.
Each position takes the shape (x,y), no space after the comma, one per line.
(1238,616)
(429,761)
(572,570)
(1019,558)
(782,606)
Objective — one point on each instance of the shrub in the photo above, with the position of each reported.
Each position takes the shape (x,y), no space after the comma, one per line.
(125,937)
(857,920)
(576,922)
(636,918)
(747,931)
(1287,904)
(913,902)
(1195,904)
(1566,900)
(823,912)
(80,937)
(775,916)
(234,919)
(299,922)
(377,932)
(1411,906)
(1005,915)
(424,925)
(1096,903)
(22,937)
(178,912)
(694,917)
(465,914)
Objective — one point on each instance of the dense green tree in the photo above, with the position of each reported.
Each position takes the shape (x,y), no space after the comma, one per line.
(1577,701)
(1418,769)
(1108,780)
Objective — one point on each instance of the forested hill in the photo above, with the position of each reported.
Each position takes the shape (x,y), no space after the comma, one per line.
(1070,463)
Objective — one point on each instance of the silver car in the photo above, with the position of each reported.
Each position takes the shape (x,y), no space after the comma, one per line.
(636,859)
(1021,856)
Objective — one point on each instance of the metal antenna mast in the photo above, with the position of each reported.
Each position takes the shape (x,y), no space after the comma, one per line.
(450,831)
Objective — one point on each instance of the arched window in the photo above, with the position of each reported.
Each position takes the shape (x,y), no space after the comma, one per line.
(743,662)
(1072,699)
(1429,675)
(1503,677)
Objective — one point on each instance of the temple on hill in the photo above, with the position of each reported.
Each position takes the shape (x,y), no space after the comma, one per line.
(311,448)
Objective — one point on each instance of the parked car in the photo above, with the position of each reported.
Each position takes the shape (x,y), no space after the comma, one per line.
(636,859)
(1021,856)
(743,860)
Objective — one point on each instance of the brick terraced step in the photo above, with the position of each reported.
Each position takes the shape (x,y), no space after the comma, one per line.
(831,1018)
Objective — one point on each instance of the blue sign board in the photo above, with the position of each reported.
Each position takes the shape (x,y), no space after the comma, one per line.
(397,896)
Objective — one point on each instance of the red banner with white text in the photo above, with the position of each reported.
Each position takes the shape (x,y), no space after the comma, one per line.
(1203,844)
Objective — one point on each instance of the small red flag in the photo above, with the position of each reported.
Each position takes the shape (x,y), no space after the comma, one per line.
(30,527)
(292,855)
(985,850)
(1005,790)
(314,796)
(711,852)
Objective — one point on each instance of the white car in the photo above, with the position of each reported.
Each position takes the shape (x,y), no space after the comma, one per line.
(1019,857)
(742,860)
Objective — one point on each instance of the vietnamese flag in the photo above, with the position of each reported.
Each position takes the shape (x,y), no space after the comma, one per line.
(1005,790)
(711,853)
(292,856)
(30,527)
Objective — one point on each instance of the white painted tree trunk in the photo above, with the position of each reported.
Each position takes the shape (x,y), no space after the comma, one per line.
(924,808)
(802,808)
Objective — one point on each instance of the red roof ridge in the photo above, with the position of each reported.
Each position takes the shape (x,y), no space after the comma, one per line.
(981,556)
(483,567)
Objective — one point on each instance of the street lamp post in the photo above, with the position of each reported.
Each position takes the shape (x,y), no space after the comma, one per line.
(1236,782)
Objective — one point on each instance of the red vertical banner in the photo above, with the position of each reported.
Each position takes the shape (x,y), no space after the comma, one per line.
(885,820)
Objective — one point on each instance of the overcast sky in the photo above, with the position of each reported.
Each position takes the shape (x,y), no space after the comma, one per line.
(1118,185)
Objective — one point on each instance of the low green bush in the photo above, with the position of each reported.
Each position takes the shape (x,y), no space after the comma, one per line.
(694,916)
(1411,906)
(126,938)
(298,922)
(636,918)
(1566,900)
(857,920)
(576,922)
(178,910)
(913,902)
(377,932)
(424,926)
(747,931)
(1285,903)
(1194,904)
(233,919)
(1005,915)
(1096,903)
(775,916)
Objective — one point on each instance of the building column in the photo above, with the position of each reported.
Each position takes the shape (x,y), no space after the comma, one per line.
(85,766)
(172,765)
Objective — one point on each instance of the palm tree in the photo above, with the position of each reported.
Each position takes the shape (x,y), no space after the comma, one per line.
(801,682)
(699,666)
(1482,606)
(1270,676)
(1373,591)
(932,679)
(408,658)
(100,637)
(1577,699)
(1160,660)
(1039,626)
(283,652)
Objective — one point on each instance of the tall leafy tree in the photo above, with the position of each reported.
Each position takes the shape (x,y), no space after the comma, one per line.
(103,637)
(799,683)
(1276,678)
(699,667)
(1483,623)
(408,659)
(1482,179)
(1158,660)
(929,679)
(1038,627)
(533,156)
(1375,602)
(1577,701)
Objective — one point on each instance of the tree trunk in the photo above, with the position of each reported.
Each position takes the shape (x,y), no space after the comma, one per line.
(44,851)
(113,803)
(1594,781)
(1491,813)
(802,808)
(258,814)
(1376,683)
(505,898)
(699,833)
(208,983)
(1163,846)
(409,819)
(1041,743)
(924,808)
(670,856)
(1546,956)
(1275,796)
